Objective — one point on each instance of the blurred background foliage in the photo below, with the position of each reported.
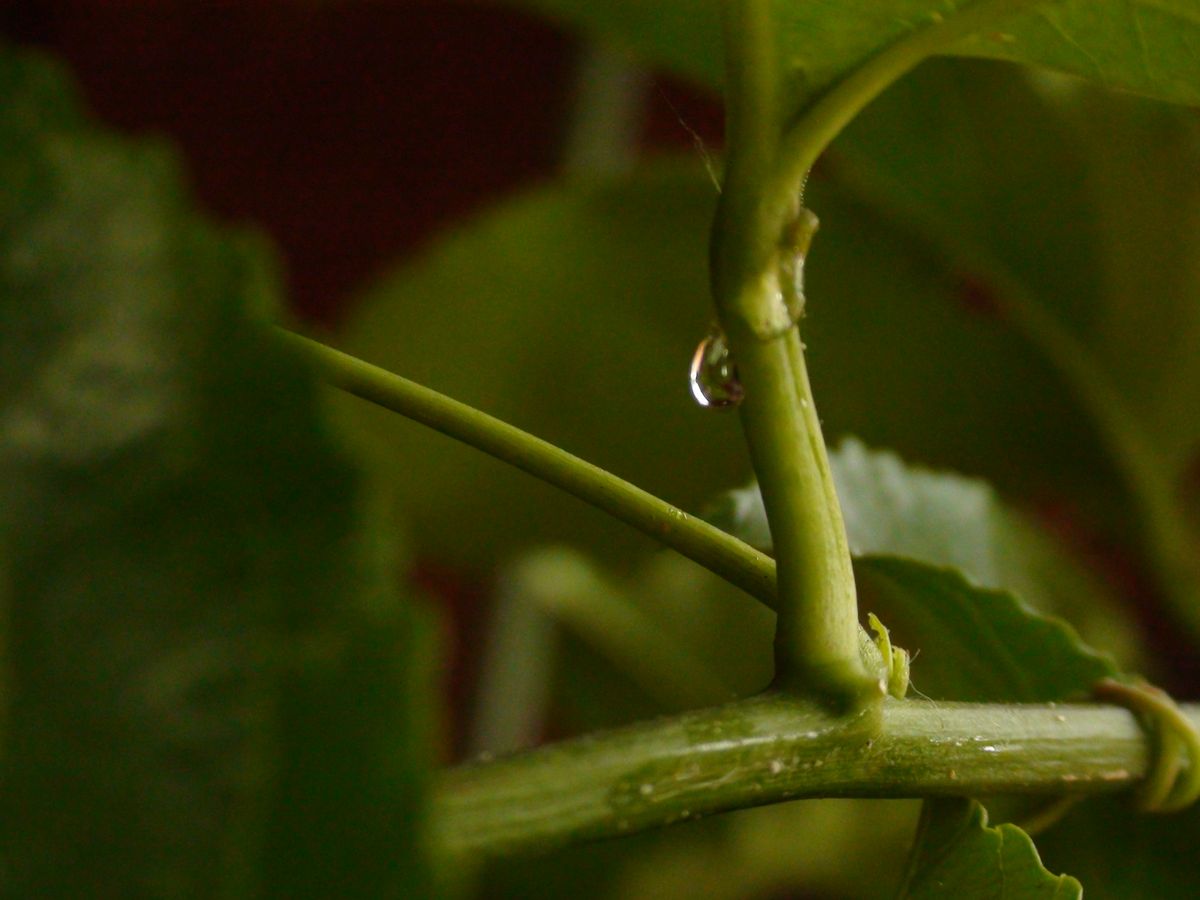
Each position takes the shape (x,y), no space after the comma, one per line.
(1005,291)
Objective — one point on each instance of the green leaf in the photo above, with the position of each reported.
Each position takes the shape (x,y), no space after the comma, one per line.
(571,311)
(895,509)
(937,557)
(960,389)
(945,519)
(958,855)
(1145,46)
(1095,272)
(968,162)
(210,689)
(976,645)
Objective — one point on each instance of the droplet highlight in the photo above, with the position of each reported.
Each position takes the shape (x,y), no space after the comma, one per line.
(713,375)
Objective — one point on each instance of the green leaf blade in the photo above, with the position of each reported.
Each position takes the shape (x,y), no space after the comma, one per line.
(186,556)
(959,855)
(1143,46)
(975,644)
(1105,294)
(945,521)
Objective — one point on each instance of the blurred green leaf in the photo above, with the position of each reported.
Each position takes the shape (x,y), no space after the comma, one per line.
(945,519)
(958,855)
(899,358)
(1075,216)
(572,312)
(210,689)
(1145,46)
(904,350)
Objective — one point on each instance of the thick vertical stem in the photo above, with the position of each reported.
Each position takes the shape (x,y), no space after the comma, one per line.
(817,635)
(817,648)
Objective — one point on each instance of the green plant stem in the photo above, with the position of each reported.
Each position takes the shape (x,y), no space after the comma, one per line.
(513,686)
(817,641)
(814,129)
(774,748)
(724,555)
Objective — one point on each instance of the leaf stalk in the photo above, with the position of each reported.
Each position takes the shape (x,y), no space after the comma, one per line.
(721,553)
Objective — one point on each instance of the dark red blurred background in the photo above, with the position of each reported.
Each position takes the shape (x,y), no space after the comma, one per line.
(349,130)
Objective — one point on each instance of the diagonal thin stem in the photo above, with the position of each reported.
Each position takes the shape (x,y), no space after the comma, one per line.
(720,553)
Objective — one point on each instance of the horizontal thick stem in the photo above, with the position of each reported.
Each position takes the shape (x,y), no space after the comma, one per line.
(720,553)
(773,748)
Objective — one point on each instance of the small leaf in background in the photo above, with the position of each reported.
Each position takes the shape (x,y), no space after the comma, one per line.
(946,519)
(958,855)
(210,687)
(936,556)
(1144,46)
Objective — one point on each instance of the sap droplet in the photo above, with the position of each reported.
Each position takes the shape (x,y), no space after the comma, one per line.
(713,375)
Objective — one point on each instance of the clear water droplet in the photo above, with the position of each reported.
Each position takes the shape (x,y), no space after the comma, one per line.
(713,375)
